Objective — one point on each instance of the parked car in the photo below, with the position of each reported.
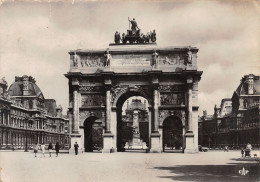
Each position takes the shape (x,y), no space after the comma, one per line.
(203,149)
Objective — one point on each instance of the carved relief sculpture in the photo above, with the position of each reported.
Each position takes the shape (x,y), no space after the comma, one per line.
(92,100)
(172,59)
(172,99)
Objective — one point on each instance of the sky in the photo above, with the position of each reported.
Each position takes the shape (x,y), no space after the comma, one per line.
(35,38)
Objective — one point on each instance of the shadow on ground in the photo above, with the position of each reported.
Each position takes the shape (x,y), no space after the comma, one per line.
(213,172)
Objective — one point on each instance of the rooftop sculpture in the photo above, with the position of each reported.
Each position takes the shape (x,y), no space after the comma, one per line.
(134,35)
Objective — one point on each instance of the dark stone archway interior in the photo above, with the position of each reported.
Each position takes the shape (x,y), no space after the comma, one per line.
(172,134)
(93,137)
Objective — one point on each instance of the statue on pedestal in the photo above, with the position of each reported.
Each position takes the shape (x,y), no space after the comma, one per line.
(117,38)
(134,25)
(109,57)
(189,57)
(155,58)
(153,36)
(75,60)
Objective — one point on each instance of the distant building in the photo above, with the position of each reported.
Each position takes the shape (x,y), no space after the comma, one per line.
(237,121)
(27,117)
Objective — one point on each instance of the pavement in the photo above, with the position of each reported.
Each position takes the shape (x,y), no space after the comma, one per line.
(128,166)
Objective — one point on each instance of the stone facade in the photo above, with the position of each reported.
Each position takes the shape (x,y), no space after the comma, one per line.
(26,117)
(237,121)
(100,81)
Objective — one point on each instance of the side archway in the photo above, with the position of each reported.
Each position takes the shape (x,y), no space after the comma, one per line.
(92,135)
(172,134)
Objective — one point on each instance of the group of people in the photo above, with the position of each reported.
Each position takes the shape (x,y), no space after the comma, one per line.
(41,147)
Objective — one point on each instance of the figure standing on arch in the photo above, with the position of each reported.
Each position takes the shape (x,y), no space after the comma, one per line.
(109,57)
(134,26)
(155,59)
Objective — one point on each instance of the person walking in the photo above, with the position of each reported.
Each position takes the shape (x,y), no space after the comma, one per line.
(76,147)
(57,148)
(43,149)
(50,148)
(35,149)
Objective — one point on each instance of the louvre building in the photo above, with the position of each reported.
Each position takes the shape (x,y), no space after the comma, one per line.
(26,117)
(237,121)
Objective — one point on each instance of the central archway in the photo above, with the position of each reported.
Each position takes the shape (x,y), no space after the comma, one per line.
(127,130)
(92,135)
(172,134)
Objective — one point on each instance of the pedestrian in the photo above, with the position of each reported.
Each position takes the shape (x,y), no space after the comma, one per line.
(35,149)
(57,148)
(50,148)
(43,149)
(242,152)
(76,147)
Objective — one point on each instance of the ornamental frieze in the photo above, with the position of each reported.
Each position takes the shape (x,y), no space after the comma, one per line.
(92,100)
(92,60)
(170,88)
(84,89)
(172,98)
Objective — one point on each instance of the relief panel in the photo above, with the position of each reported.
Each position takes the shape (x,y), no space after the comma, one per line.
(92,100)
(172,98)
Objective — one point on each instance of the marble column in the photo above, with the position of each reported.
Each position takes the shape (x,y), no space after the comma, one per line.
(155,109)
(190,108)
(155,135)
(75,125)
(108,110)
(108,136)
(75,134)
(189,136)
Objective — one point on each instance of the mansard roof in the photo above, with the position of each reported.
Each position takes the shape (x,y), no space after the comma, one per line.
(16,89)
(242,88)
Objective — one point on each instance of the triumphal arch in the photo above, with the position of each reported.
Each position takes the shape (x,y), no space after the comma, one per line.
(101,80)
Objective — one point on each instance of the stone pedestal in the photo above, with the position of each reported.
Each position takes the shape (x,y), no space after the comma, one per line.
(107,142)
(190,147)
(155,143)
(76,138)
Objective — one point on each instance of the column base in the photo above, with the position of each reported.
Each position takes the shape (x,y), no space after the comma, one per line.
(107,141)
(190,148)
(155,143)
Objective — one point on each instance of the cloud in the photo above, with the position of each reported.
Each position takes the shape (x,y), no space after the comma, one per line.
(35,39)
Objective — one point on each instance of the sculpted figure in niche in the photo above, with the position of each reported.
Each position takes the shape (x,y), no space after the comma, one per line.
(109,57)
(155,58)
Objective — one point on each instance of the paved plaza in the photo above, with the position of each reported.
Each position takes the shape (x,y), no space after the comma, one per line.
(128,166)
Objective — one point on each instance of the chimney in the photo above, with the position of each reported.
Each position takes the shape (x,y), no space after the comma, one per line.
(250,82)
(59,111)
(25,85)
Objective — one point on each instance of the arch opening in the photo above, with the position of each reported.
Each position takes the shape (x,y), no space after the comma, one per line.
(172,134)
(133,122)
(93,140)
